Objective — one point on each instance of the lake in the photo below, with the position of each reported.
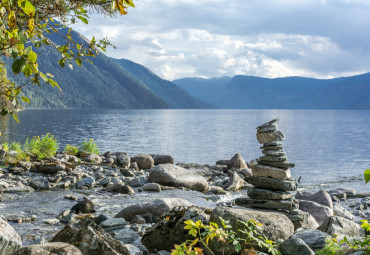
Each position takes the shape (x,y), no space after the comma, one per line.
(330,148)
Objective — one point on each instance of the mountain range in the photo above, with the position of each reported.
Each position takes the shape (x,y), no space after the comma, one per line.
(249,92)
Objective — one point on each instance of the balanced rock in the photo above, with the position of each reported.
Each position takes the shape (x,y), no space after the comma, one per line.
(272,184)
(283,165)
(10,241)
(256,193)
(287,204)
(273,172)
(267,137)
(56,248)
(176,176)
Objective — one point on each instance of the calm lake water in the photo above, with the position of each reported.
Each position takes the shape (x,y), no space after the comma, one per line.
(330,148)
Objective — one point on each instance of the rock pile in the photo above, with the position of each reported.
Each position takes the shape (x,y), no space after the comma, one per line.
(272,178)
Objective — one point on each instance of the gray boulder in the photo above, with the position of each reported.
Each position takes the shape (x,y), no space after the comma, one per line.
(51,168)
(235,182)
(56,248)
(169,230)
(156,208)
(340,226)
(294,246)
(272,184)
(120,188)
(176,176)
(144,161)
(84,206)
(315,239)
(322,197)
(89,238)
(10,241)
(318,211)
(93,158)
(122,159)
(40,182)
(162,159)
(237,161)
(152,187)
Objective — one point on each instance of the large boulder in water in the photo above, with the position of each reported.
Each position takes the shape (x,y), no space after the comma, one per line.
(156,208)
(56,248)
(10,241)
(169,230)
(275,225)
(176,176)
(89,238)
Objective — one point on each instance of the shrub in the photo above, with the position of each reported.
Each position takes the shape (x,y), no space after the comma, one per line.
(21,155)
(71,150)
(5,146)
(89,146)
(204,233)
(43,147)
(332,247)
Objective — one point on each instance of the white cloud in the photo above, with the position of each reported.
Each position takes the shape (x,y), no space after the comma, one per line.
(269,38)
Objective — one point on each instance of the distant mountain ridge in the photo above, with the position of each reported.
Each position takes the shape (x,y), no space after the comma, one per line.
(250,92)
(106,84)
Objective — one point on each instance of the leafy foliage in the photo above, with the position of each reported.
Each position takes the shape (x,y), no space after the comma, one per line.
(367,175)
(43,147)
(204,233)
(71,150)
(332,247)
(89,146)
(24,26)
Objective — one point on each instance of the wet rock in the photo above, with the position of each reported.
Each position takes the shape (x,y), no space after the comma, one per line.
(70,197)
(266,204)
(349,191)
(144,161)
(322,197)
(318,211)
(120,188)
(294,246)
(237,161)
(274,225)
(10,241)
(93,158)
(162,159)
(99,219)
(340,226)
(138,219)
(315,239)
(125,235)
(268,194)
(152,187)
(137,182)
(115,223)
(56,248)
(216,190)
(122,159)
(156,208)
(272,184)
(40,182)
(89,238)
(176,176)
(169,230)
(235,182)
(127,173)
(88,181)
(85,206)
(19,189)
(273,172)
(131,249)
(50,168)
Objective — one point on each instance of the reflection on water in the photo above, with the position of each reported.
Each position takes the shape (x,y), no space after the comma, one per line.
(327,146)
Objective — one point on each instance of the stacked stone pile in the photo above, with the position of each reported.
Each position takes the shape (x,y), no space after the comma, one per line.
(272,178)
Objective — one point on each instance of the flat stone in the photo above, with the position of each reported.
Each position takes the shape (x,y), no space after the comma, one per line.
(272,184)
(275,148)
(282,165)
(50,221)
(269,123)
(314,238)
(299,218)
(273,153)
(274,158)
(268,194)
(273,143)
(270,128)
(273,172)
(114,222)
(19,189)
(270,137)
(266,204)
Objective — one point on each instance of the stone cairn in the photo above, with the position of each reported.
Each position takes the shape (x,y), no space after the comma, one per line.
(272,178)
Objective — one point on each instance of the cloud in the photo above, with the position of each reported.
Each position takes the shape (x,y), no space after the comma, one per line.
(269,38)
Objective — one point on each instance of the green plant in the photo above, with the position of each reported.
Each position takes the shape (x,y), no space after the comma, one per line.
(367,175)
(252,233)
(89,146)
(15,146)
(364,243)
(332,247)
(5,146)
(71,150)
(20,156)
(43,147)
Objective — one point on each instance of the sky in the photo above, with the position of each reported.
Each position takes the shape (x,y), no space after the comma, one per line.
(266,38)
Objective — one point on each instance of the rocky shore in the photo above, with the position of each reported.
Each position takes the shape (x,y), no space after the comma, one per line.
(263,190)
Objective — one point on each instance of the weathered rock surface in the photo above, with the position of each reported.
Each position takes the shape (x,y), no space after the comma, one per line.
(322,197)
(273,172)
(156,208)
(235,182)
(340,226)
(266,137)
(51,168)
(256,193)
(295,246)
(315,239)
(144,161)
(318,211)
(56,248)
(266,204)
(120,188)
(122,159)
(155,187)
(10,241)
(162,159)
(237,161)
(84,206)
(93,158)
(272,184)
(282,165)
(169,230)
(176,176)
(89,238)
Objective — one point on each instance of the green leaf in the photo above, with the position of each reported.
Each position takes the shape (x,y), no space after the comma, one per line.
(367,175)
(18,65)
(27,7)
(26,99)
(79,61)
(28,50)
(61,63)
(27,70)
(83,19)
(130,3)
(193,232)
(16,118)
(32,57)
